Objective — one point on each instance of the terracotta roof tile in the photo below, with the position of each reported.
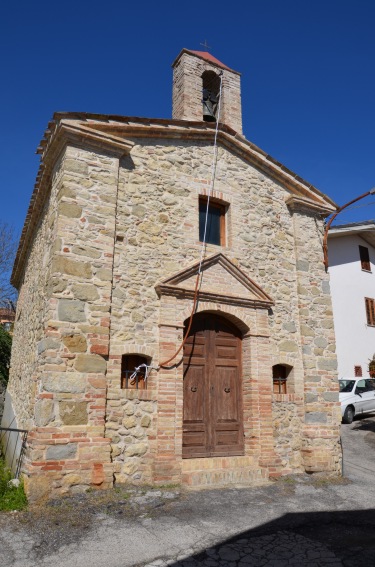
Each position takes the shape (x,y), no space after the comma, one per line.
(207,57)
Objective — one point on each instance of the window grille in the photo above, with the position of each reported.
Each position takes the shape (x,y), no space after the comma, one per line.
(129,363)
(279,376)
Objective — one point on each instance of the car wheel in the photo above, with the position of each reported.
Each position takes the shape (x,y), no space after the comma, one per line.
(348,415)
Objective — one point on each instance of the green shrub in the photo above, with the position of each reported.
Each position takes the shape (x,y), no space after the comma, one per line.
(11,497)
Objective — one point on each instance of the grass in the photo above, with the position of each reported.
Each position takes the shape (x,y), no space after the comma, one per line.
(11,497)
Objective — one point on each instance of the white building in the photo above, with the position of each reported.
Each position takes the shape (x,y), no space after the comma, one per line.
(351,251)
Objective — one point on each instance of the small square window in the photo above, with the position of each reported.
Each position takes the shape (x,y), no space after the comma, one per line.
(358,371)
(215,231)
(279,377)
(129,379)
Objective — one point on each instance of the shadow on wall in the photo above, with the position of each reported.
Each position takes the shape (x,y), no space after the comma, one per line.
(319,538)
(2,398)
(12,443)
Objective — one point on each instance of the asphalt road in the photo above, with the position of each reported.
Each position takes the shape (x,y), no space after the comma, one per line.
(358,441)
(298,521)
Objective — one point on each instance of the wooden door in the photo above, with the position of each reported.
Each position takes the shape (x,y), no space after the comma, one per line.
(212,417)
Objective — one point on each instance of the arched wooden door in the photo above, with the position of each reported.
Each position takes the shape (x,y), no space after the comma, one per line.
(212,416)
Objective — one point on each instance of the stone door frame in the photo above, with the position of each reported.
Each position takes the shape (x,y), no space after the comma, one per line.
(256,383)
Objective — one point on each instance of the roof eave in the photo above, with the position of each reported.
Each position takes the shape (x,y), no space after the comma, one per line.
(61,131)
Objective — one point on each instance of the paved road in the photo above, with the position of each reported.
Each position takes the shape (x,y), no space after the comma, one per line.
(359,450)
(295,522)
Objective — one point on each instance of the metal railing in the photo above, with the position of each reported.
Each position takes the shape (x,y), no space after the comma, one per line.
(13,446)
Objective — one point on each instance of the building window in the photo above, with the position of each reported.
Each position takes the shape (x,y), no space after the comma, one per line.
(215,231)
(370,311)
(365,258)
(129,363)
(210,95)
(358,371)
(280,374)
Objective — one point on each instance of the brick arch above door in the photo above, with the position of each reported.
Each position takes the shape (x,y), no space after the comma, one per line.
(238,316)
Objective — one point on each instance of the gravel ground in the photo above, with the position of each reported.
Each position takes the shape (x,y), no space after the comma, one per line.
(301,520)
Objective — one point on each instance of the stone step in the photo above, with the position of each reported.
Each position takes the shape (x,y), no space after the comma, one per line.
(222,471)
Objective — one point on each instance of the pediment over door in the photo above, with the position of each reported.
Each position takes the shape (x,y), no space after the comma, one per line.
(222,282)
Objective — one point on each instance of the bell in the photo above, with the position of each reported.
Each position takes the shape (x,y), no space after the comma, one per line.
(209,106)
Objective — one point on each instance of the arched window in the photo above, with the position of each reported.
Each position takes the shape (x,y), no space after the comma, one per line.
(210,95)
(280,373)
(129,363)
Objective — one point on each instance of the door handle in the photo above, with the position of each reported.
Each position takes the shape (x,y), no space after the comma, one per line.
(193,388)
(227,390)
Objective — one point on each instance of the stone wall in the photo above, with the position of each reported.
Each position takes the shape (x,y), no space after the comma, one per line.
(131,426)
(157,230)
(287,414)
(321,431)
(32,310)
(158,225)
(72,300)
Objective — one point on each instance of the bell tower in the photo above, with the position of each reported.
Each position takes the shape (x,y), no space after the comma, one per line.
(196,89)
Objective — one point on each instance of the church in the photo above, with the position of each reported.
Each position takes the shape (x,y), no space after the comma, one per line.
(174,322)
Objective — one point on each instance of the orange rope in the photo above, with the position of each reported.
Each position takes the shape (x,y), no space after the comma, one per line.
(166,362)
(325,239)
(213,174)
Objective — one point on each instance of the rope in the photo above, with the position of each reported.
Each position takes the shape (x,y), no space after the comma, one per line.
(204,247)
(328,226)
(133,377)
(165,363)
(213,176)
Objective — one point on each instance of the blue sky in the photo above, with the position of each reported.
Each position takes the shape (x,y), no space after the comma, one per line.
(307,67)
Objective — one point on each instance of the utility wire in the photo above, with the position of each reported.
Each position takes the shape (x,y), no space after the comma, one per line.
(165,364)
(213,175)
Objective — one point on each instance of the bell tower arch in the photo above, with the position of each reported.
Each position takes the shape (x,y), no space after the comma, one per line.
(196,83)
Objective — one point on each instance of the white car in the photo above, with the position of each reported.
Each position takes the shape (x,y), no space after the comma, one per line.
(357,396)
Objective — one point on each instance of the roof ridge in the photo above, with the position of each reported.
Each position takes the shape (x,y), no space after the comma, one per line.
(206,56)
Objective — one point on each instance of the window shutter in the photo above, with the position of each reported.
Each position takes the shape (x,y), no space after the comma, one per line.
(370,311)
(365,258)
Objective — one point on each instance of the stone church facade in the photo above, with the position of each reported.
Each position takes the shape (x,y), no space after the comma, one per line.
(106,270)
